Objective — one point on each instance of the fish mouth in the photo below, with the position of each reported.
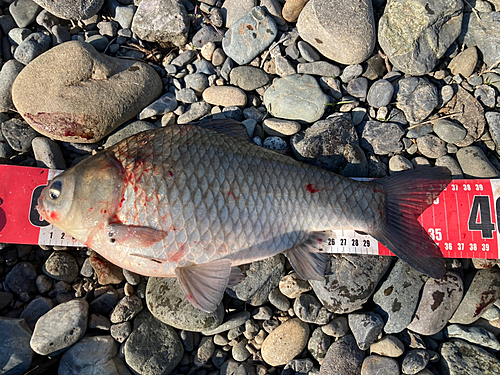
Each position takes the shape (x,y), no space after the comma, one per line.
(40,208)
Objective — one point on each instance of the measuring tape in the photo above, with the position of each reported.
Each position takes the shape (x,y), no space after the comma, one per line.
(463,219)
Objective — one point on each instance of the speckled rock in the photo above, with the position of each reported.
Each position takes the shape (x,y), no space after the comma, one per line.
(461,358)
(417,98)
(388,346)
(110,91)
(475,164)
(61,266)
(365,327)
(474,335)
(375,364)
(381,138)
(167,302)
(285,342)
(343,358)
(75,10)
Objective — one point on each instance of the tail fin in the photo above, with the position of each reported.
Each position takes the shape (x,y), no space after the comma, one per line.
(406,199)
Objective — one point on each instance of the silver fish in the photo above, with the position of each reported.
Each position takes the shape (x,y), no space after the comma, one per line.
(191,202)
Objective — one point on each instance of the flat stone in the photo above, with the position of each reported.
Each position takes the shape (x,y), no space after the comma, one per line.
(296,98)
(162,21)
(93,355)
(349,281)
(166,103)
(375,364)
(381,138)
(388,346)
(110,91)
(127,130)
(35,309)
(285,342)
(415,47)
(326,27)
(231,321)
(248,78)
(280,128)
(33,46)
(61,266)
(24,12)
(319,68)
(153,347)
(398,296)
(9,72)
(461,358)
(18,134)
(474,335)
(204,351)
(233,10)
(449,131)
(417,98)
(60,328)
(186,95)
(482,32)
(48,154)
(226,96)
(21,281)
(380,93)
(365,327)
(431,146)
(343,358)
(482,292)
(15,351)
(249,36)
(464,63)
(194,112)
(167,302)
(475,164)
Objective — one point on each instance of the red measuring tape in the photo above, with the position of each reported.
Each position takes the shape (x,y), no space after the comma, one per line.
(463,220)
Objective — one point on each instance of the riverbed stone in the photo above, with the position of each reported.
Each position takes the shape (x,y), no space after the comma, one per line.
(475,164)
(226,96)
(73,10)
(15,351)
(343,358)
(474,335)
(296,97)
(483,32)
(8,74)
(381,138)
(417,98)
(458,357)
(110,91)
(327,26)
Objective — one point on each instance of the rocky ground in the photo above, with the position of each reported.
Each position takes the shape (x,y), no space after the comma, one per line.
(366,90)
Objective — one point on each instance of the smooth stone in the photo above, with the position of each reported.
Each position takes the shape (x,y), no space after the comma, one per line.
(415,47)
(60,328)
(15,351)
(374,364)
(196,81)
(162,21)
(207,34)
(450,163)
(447,94)
(381,138)
(240,352)
(292,9)
(351,72)
(388,346)
(365,327)
(194,112)
(204,352)
(105,303)
(207,50)
(99,322)
(419,130)
(33,46)
(99,42)
(284,67)
(35,309)
(475,164)
(93,355)
(226,96)
(323,144)
(469,113)
(280,128)
(167,302)
(5,149)
(230,322)
(18,134)
(398,163)
(324,26)
(439,300)
(131,277)
(186,95)
(9,72)
(414,361)
(292,285)
(337,327)
(233,112)
(153,347)
(61,34)
(21,281)
(166,103)
(483,291)
(126,309)
(308,309)
(319,68)
(380,93)
(349,281)
(474,335)
(318,344)
(431,146)
(249,36)
(219,57)
(48,154)
(261,277)
(296,98)
(398,296)
(275,143)
(307,52)
(184,58)
(358,87)
(104,104)
(416,97)
(248,78)
(449,131)
(75,10)
(285,342)
(24,12)
(43,283)
(343,358)
(461,358)
(274,8)
(233,10)
(482,32)
(126,131)
(493,120)
(464,63)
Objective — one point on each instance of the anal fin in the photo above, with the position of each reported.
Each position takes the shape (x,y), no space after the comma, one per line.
(307,258)
(135,236)
(204,284)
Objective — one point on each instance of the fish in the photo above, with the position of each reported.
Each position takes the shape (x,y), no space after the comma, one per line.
(196,201)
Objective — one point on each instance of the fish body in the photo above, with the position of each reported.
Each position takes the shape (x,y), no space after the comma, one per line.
(187,201)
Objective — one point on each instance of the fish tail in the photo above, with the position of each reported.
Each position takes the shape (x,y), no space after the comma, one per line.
(408,195)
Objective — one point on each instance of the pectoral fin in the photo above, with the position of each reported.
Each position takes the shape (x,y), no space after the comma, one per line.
(307,259)
(204,284)
(135,236)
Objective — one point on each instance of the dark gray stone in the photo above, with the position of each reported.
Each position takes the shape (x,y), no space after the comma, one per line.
(349,281)
(196,81)
(105,302)
(449,131)
(357,164)
(380,93)
(351,72)
(275,143)
(166,103)
(8,74)
(184,58)
(343,358)
(366,327)
(475,164)
(18,134)
(61,266)
(232,321)
(21,281)
(417,98)
(15,351)
(431,146)
(307,52)
(33,46)
(205,35)
(415,47)
(308,309)
(186,95)
(358,88)
(414,361)
(24,12)
(127,130)
(194,112)
(484,33)
(318,344)
(248,78)
(450,163)
(35,309)
(486,95)
(381,138)
(48,154)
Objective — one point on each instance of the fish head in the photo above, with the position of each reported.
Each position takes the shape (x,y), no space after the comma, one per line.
(83,198)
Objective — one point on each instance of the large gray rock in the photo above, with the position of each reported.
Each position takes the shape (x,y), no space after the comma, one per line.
(296,97)
(85,94)
(458,357)
(415,47)
(15,351)
(349,281)
(417,98)
(167,302)
(8,74)
(71,10)
(162,21)
(381,138)
(93,355)
(484,33)
(343,31)
(343,358)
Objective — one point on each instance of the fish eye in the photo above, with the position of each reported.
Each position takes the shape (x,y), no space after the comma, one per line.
(55,189)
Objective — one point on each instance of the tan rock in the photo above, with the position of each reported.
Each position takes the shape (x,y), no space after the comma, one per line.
(292,9)
(464,63)
(73,93)
(285,342)
(107,273)
(226,96)
(388,346)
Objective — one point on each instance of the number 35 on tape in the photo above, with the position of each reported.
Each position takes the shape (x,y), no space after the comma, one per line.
(463,219)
